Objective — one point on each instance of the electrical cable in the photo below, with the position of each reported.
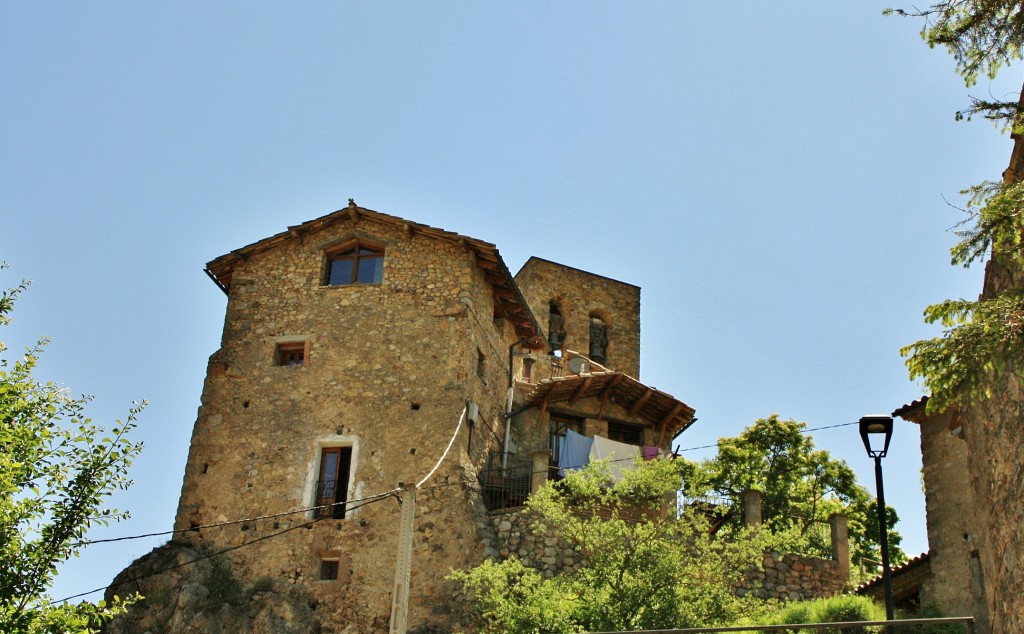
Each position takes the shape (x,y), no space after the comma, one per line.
(365,501)
(230,522)
(451,442)
(661,452)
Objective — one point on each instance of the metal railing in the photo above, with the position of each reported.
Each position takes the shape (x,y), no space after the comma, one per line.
(506,487)
(900,626)
(327,503)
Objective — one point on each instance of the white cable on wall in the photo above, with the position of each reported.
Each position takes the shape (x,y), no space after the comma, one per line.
(451,442)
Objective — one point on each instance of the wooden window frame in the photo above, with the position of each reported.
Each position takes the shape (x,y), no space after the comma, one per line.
(283,350)
(332,488)
(626,433)
(354,252)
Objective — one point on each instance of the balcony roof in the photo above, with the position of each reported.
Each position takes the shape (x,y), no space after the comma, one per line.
(670,415)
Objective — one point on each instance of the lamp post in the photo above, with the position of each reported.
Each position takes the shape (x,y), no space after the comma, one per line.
(875,431)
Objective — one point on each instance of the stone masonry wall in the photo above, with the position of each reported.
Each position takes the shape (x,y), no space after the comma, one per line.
(390,367)
(543,551)
(793,577)
(579,294)
(953,529)
(788,577)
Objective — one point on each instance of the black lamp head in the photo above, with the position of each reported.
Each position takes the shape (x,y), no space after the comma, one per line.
(875,430)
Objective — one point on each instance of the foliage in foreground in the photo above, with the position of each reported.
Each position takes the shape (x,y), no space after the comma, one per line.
(848,607)
(644,568)
(983,337)
(840,608)
(801,488)
(56,470)
(983,36)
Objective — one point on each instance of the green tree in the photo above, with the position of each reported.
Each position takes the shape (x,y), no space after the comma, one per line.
(56,469)
(801,487)
(982,337)
(643,567)
(983,36)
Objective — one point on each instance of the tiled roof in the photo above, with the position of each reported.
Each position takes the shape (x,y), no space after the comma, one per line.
(912,411)
(671,415)
(906,578)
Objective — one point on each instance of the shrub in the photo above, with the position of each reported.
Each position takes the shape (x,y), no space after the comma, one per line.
(840,608)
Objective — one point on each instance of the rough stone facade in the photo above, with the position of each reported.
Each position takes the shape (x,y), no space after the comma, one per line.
(389,369)
(545,552)
(789,577)
(994,436)
(792,577)
(955,538)
(580,296)
(377,372)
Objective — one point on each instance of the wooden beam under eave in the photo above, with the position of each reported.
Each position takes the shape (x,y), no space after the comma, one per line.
(606,393)
(675,412)
(488,265)
(665,421)
(640,402)
(581,390)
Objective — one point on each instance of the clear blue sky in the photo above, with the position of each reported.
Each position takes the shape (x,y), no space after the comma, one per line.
(771,174)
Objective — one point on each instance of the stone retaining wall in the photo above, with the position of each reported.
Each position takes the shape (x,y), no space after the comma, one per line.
(793,578)
(540,550)
(789,577)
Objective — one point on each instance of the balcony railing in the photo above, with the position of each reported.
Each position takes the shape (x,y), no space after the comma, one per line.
(505,487)
(327,502)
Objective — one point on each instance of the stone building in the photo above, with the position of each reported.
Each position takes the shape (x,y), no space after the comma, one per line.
(354,346)
(949,576)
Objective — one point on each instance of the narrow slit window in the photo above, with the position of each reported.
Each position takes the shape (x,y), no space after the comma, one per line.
(598,339)
(556,326)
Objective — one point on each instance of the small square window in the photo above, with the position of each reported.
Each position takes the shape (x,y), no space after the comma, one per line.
(291,353)
(329,570)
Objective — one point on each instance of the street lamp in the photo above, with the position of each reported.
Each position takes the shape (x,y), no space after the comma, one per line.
(876,432)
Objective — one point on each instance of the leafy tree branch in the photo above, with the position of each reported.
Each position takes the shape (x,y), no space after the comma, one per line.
(57,468)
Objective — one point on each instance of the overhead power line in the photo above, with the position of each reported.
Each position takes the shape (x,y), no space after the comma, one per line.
(191,529)
(365,501)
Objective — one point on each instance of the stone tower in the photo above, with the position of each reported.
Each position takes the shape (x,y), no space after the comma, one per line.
(353,346)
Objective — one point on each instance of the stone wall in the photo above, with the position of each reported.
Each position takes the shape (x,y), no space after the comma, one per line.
(580,294)
(793,577)
(955,537)
(542,551)
(788,577)
(389,368)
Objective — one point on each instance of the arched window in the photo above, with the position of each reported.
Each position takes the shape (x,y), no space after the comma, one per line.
(355,264)
(556,326)
(598,339)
